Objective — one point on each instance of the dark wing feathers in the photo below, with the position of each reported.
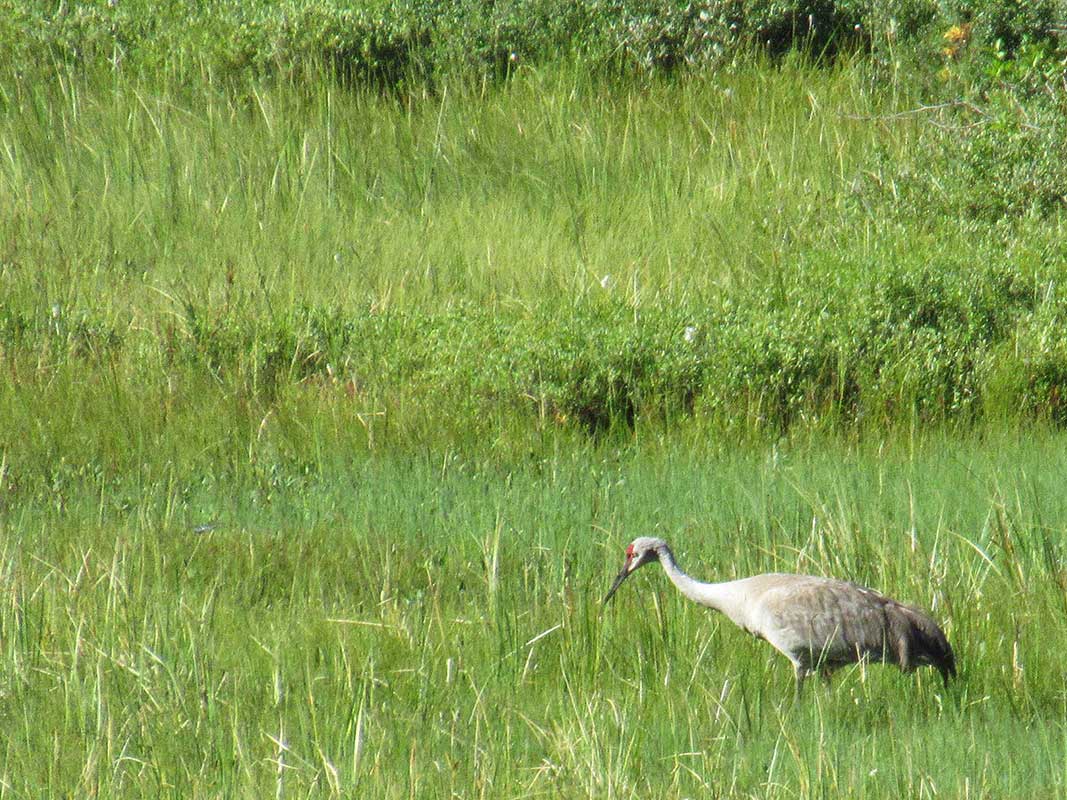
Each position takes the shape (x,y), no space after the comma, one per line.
(897,633)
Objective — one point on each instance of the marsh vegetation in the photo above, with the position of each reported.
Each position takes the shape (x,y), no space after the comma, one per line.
(430,341)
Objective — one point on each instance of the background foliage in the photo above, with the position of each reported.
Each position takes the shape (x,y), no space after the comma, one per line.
(391,42)
(342,349)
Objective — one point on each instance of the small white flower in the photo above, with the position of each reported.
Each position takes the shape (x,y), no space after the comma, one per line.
(606,282)
(690,334)
(56,310)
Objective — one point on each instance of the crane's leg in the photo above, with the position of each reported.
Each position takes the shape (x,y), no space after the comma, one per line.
(801,673)
(945,673)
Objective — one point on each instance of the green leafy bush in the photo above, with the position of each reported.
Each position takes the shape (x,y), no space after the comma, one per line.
(934,341)
(606,365)
(1007,26)
(392,42)
(992,153)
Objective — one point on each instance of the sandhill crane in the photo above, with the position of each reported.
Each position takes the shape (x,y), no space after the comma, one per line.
(819,624)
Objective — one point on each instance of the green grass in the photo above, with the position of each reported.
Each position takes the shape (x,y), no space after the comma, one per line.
(423,358)
(432,627)
(199,244)
(273,195)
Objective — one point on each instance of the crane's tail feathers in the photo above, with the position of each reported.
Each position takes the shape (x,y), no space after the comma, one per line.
(923,642)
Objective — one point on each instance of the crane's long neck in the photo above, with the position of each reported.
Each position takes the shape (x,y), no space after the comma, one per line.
(726,598)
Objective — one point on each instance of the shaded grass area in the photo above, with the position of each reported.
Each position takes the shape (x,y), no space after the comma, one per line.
(432,625)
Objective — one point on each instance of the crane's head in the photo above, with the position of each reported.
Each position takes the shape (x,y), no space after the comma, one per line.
(639,552)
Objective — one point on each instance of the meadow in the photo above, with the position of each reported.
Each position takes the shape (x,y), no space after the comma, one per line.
(328,409)
(432,627)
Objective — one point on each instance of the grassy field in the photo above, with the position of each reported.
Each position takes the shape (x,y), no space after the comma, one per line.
(278,195)
(326,415)
(491,258)
(432,627)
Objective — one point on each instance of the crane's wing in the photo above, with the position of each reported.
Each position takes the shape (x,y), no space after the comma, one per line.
(824,623)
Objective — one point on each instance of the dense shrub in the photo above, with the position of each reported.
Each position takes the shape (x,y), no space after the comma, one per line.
(1015,157)
(391,42)
(1008,25)
(991,146)
(1040,386)
(606,365)
(935,342)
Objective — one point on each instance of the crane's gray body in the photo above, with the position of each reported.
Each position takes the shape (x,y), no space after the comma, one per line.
(819,624)
(822,624)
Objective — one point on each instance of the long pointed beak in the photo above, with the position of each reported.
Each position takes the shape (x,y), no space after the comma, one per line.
(618,582)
